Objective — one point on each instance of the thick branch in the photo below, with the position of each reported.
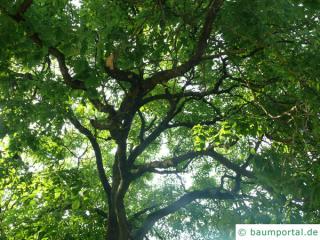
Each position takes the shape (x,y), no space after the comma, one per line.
(97,151)
(55,52)
(120,75)
(210,193)
(103,107)
(191,94)
(123,75)
(22,9)
(68,79)
(178,95)
(166,75)
(141,212)
(175,161)
(174,109)
(101,213)
(143,126)
(75,84)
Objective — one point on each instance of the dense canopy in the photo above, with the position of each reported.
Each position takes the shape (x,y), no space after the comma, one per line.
(157,119)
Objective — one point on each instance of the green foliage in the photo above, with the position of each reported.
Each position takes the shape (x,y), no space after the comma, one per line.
(263,115)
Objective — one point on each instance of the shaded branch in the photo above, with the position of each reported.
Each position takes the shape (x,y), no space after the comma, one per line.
(68,79)
(251,155)
(123,75)
(75,84)
(97,151)
(192,94)
(100,124)
(22,9)
(101,213)
(55,52)
(210,193)
(143,126)
(236,179)
(141,212)
(174,110)
(103,107)
(120,75)
(195,59)
(241,53)
(139,170)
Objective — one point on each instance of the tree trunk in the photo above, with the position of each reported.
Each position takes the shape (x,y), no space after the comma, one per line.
(117,226)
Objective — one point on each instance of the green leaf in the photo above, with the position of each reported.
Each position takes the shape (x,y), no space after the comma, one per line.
(75,204)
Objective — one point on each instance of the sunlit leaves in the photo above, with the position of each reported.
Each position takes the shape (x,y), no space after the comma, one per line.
(263,115)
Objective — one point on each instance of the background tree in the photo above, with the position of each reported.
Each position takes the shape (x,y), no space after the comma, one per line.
(157,119)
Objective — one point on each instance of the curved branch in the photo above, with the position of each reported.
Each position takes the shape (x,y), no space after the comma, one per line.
(139,170)
(101,213)
(55,52)
(68,79)
(141,212)
(97,151)
(22,9)
(195,59)
(118,74)
(210,193)
(163,125)
(191,94)
(124,75)
(143,126)
(18,17)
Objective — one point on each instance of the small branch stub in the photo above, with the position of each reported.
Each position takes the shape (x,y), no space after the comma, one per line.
(110,61)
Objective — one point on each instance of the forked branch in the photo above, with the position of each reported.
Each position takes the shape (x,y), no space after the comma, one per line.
(210,193)
(97,151)
(55,52)
(195,59)
(22,9)
(172,162)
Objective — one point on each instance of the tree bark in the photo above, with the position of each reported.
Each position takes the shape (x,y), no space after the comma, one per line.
(118,226)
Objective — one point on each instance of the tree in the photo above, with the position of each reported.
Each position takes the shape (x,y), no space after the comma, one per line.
(198,115)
